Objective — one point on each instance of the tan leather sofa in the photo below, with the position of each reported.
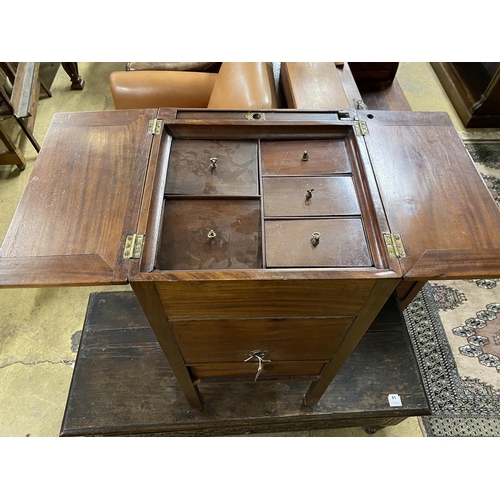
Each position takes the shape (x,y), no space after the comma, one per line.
(237,85)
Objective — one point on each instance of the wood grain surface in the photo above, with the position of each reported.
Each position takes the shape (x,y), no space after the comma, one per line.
(82,199)
(122,384)
(288,197)
(433,194)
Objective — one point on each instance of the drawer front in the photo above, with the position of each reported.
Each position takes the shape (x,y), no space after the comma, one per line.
(280,339)
(325,157)
(248,370)
(211,234)
(263,298)
(290,243)
(309,196)
(191,171)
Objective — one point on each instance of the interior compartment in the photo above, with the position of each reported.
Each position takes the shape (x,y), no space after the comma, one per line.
(305,157)
(210,234)
(340,243)
(213,167)
(309,196)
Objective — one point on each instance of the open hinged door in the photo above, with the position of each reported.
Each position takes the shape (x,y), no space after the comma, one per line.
(82,200)
(434,198)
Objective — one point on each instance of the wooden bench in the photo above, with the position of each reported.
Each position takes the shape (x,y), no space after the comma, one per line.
(332,86)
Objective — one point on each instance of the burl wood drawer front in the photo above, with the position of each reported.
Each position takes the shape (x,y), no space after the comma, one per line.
(324,157)
(263,298)
(206,167)
(211,234)
(309,196)
(316,243)
(248,370)
(281,339)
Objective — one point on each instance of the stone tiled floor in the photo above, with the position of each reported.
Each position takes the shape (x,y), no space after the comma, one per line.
(39,327)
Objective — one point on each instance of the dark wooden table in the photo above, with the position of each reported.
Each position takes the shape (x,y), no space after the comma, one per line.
(123,385)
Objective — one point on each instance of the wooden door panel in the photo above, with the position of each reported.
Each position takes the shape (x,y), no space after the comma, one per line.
(81,201)
(433,195)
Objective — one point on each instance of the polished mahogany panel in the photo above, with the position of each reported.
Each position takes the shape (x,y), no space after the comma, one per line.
(82,200)
(309,196)
(211,234)
(223,340)
(324,157)
(213,167)
(292,243)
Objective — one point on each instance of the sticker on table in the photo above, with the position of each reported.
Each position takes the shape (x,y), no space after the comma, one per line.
(394,400)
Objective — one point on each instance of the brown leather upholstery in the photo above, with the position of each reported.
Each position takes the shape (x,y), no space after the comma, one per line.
(244,85)
(157,89)
(247,85)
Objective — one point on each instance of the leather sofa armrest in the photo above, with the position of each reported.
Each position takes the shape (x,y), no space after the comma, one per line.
(244,85)
(157,89)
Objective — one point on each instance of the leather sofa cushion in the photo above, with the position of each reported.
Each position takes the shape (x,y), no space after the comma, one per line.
(244,85)
(157,89)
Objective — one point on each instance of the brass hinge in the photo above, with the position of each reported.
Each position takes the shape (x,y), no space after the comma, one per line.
(361,128)
(133,246)
(395,245)
(154,126)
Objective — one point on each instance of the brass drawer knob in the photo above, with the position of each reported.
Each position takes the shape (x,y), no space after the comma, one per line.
(213,164)
(305,156)
(315,239)
(259,356)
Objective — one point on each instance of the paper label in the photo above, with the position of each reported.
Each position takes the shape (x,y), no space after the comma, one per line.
(394,400)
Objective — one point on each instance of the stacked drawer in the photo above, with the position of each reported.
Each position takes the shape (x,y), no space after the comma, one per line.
(212,212)
(244,328)
(311,214)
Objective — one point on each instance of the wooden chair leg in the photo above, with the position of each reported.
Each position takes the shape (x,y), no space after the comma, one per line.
(77,82)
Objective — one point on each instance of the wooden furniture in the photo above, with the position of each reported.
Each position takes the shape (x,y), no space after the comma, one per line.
(22,104)
(260,245)
(473,89)
(71,68)
(328,85)
(142,396)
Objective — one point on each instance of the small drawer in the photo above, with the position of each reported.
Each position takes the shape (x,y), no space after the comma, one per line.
(203,167)
(324,157)
(281,339)
(277,370)
(309,196)
(211,234)
(316,243)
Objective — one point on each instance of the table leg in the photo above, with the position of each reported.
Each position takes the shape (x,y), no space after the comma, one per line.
(77,82)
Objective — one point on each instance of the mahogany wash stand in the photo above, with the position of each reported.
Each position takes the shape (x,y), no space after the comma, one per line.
(261,246)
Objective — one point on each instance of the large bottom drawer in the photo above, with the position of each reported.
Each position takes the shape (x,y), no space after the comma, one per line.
(280,339)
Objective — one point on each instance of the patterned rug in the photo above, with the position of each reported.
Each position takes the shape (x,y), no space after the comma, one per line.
(455,330)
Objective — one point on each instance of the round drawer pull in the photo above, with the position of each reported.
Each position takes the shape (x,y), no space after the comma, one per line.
(213,164)
(315,239)
(259,356)
(211,234)
(305,156)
